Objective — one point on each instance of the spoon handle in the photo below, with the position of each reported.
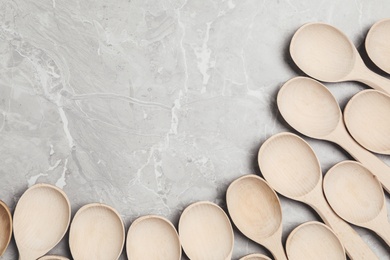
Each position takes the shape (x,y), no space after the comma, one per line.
(341,137)
(374,80)
(354,245)
(274,244)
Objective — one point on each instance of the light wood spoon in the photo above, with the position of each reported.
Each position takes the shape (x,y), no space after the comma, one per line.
(309,107)
(291,167)
(53,257)
(255,209)
(357,196)
(377,44)
(314,240)
(41,219)
(96,232)
(325,53)
(367,117)
(255,257)
(5,227)
(206,232)
(152,237)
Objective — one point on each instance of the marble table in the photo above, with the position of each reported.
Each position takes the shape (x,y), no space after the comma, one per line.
(151,105)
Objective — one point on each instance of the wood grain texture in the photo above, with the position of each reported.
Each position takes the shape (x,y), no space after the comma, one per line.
(377,44)
(5,227)
(152,238)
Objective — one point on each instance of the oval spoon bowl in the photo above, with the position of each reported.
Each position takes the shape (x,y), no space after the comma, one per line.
(5,227)
(53,257)
(255,257)
(377,44)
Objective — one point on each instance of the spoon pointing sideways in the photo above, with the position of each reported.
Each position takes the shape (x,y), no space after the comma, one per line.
(377,44)
(325,53)
(255,257)
(5,227)
(41,219)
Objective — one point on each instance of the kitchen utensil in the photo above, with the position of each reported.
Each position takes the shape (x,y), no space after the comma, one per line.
(325,53)
(152,237)
(255,209)
(314,240)
(205,232)
(96,232)
(41,219)
(255,257)
(310,108)
(357,196)
(377,44)
(5,227)
(367,117)
(291,167)
(53,257)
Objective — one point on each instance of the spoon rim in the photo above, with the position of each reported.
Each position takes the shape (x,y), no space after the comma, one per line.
(249,257)
(160,218)
(99,205)
(368,40)
(348,119)
(304,142)
(53,257)
(341,33)
(4,206)
(217,207)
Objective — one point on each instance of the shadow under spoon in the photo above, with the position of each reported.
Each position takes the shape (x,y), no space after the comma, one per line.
(325,53)
(357,196)
(291,167)
(310,108)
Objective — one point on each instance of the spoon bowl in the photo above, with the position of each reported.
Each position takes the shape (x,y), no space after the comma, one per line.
(96,232)
(41,219)
(367,117)
(314,240)
(357,196)
(205,232)
(255,209)
(5,227)
(255,257)
(377,44)
(53,257)
(152,237)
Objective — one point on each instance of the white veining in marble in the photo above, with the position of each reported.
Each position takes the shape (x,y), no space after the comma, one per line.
(151,105)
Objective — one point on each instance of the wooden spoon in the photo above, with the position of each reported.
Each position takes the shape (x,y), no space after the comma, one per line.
(96,232)
(5,227)
(325,53)
(152,237)
(357,196)
(255,257)
(41,219)
(206,232)
(291,167)
(53,257)
(367,117)
(314,240)
(255,209)
(310,108)
(377,44)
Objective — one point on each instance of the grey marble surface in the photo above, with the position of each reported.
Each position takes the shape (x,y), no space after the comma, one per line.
(151,105)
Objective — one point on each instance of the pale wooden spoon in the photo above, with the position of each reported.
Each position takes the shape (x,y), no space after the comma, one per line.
(325,53)
(152,237)
(41,219)
(5,227)
(255,209)
(291,167)
(367,117)
(314,240)
(377,44)
(357,196)
(206,232)
(96,232)
(53,257)
(309,107)
(255,257)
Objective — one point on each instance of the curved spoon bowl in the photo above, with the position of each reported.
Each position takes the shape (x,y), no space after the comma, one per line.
(5,227)
(377,44)
(255,257)
(53,257)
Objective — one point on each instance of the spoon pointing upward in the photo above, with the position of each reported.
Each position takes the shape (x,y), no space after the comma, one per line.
(325,53)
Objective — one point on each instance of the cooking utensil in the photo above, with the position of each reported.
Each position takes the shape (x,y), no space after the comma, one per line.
(357,196)
(53,257)
(152,237)
(96,232)
(314,240)
(377,44)
(291,167)
(205,232)
(255,209)
(255,257)
(325,53)
(5,227)
(41,219)
(310,108)
(367,117)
